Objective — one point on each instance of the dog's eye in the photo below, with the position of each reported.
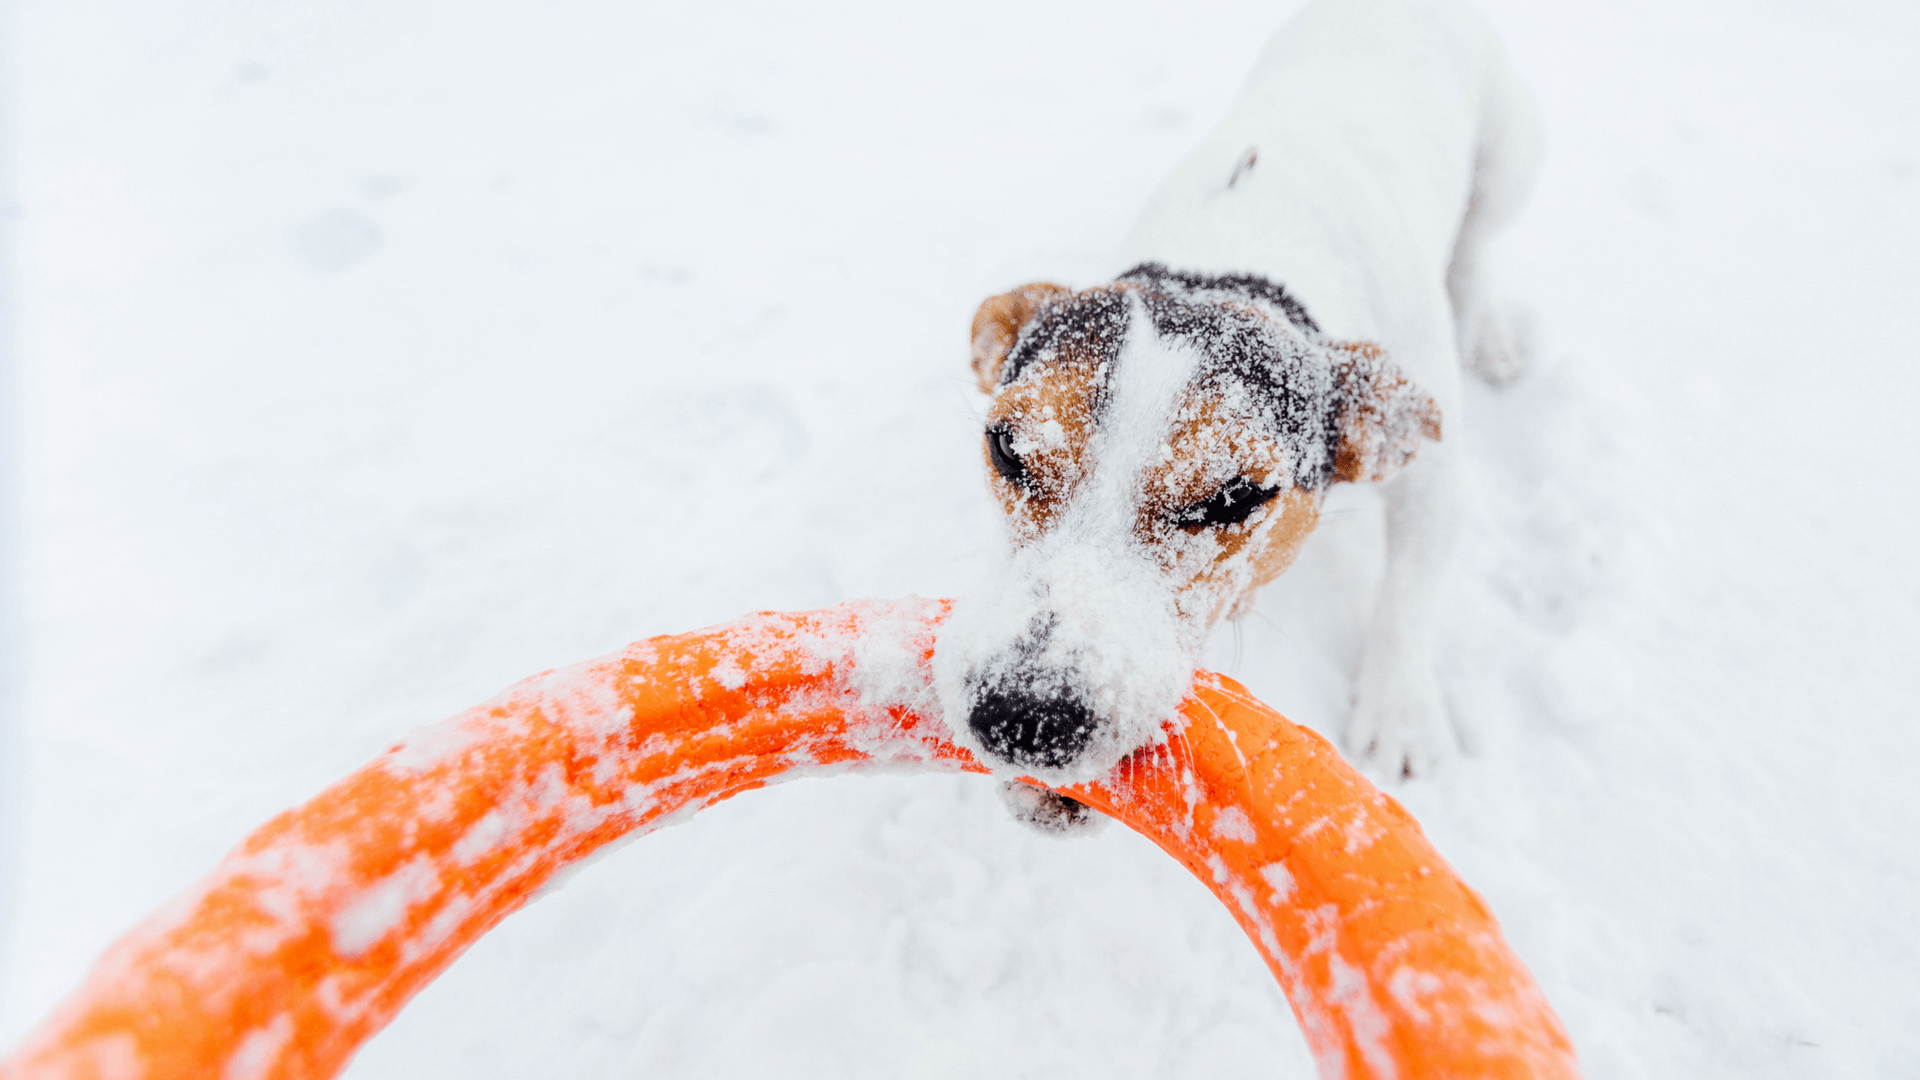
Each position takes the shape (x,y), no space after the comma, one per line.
(1000,452)
(1231,505)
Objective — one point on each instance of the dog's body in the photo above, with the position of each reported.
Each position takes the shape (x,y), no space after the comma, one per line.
(1301,296)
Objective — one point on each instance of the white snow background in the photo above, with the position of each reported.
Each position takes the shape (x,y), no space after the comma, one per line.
(371,356)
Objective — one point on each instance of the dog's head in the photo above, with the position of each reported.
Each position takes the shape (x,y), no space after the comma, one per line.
(1161,446)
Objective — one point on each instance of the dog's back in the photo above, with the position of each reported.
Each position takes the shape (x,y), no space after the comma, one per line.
(1295,304)
(1368,134)
(1375,148)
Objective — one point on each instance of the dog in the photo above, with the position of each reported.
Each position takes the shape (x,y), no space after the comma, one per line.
(1295,309)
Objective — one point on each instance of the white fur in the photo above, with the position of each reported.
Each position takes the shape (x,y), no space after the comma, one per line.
(1390,139)
(1114,621)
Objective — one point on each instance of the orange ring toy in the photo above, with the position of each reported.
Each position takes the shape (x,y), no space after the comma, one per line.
(309,937)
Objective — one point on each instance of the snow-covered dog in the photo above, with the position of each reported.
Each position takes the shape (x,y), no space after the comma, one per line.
(1300,298)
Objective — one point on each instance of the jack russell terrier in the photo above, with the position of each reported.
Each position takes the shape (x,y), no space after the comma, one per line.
(1299,299)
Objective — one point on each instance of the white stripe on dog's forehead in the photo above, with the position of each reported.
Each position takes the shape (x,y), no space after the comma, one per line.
(1148,385)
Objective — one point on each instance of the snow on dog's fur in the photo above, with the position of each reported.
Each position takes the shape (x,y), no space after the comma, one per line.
(1161,444)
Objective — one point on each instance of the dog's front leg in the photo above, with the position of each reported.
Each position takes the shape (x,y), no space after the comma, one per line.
(1399,720)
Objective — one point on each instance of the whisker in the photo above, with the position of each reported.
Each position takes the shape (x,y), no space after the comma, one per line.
(1348,511)
(1284,633)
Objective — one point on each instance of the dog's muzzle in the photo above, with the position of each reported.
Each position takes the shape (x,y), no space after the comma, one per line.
(1031,729)
(1066,663)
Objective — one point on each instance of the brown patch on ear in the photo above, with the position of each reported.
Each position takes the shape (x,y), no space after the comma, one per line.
(996,326)
(1381,416)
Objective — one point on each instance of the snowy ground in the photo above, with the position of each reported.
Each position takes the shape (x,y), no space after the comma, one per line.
(376,355)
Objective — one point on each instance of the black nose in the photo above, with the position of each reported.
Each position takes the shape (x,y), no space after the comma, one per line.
(1028,730)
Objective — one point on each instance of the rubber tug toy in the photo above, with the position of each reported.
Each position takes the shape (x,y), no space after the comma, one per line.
(311,936)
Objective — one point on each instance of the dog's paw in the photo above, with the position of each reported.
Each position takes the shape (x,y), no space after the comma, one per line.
(1399,724)
(1050,813)
(1503,349)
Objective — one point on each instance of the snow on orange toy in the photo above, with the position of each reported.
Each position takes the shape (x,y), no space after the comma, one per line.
(311,935)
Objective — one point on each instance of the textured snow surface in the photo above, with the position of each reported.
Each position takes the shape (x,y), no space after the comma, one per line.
(375,356)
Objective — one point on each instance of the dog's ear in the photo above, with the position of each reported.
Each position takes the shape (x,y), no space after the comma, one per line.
(996,326)
(1380,417)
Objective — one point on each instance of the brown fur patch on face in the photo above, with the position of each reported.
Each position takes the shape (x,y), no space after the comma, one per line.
(1293,517)
(1266,411)
(1215,566)
(1249,555)
(997,324)
(1049,413)
(1212,442)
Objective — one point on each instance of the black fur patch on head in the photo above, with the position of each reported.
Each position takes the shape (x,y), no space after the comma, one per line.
(1286,374)
(1245,286)
(1263,354)
(1090,326)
